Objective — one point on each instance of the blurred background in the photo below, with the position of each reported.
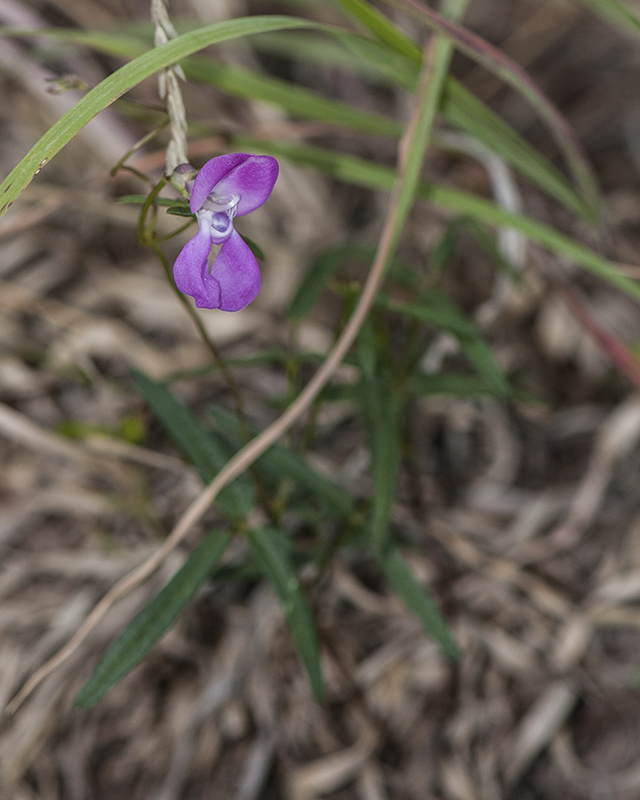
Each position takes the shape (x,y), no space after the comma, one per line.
(521,516)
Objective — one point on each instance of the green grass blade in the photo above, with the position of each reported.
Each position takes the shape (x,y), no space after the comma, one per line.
(125,78)
(383,411)
(417,600)
(199,445)
(428,100)
(437,309)
(491,59)
(510,72)
(281,462)
(270,549)
(464,111)
(120,45)
(452,385)
(385,443)
(360,172)
(379,26)
(298,101)
(458,105)
(154,619)
(322,269)
(617,13)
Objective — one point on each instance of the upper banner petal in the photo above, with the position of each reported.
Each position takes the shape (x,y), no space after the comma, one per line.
(237,273)
(252,179)
(210,174)
(191,272)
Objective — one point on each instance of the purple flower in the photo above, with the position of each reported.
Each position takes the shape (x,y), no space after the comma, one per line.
(226,187)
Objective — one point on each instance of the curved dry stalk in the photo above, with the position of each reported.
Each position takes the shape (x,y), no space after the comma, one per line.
(245,457)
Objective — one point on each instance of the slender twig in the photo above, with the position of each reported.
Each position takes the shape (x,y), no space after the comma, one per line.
(413,142)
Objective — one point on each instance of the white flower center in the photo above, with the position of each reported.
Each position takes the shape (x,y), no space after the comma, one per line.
(216,216)
(218,203)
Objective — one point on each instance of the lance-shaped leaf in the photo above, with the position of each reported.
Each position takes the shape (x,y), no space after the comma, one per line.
(271,550)
(416,598)
(361,172)
(154,619)
(113,87)
(281,462)
(200,446)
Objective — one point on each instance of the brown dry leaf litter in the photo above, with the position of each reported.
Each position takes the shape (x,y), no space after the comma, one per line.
(531,532)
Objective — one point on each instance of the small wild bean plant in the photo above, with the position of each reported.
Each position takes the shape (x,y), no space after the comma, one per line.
(386,322)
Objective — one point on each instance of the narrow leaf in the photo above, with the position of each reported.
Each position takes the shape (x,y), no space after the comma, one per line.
(270,549)
(617,13)
(298,101)
(436,308)
(199,445)
(512,73)
(360,172)
(466,112)
(154,619)
(113,87)
(417,599)
(281,462)
(322,269)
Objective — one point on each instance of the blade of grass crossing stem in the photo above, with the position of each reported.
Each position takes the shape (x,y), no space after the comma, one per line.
(281,462)
(360,172)
(415,597)
(511,73)
(322,269)
(436,308)
(199,445)
(270,549)
(154,619)
(464,111)
(458,105)
(429,95)
(298,101)
(126,78)
(380,27)
(492,60)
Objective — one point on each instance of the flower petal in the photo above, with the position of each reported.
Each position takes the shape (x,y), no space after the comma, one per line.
(191,271)
(210,174)
(252,179)
(236,271)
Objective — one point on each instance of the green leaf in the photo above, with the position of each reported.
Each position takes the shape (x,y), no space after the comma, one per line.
(451,385)
(458,105)
(380,27)
(141,199)
(617,13)
(383,410)
(298,101)
(512,73)
(113,87)
(271,549)
(154,619)
(360,172)
(180,211)
(281,462)
(200,446)
(464,111)
(437,309)
(416,599)
(121,44)
(257,251)
(493,60)
(322,269)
